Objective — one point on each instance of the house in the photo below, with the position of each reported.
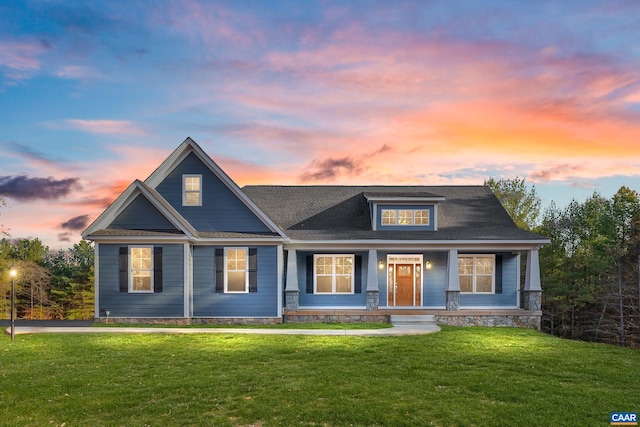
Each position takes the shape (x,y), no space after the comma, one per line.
(187,245)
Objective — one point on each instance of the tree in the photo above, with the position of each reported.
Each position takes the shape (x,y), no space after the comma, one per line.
(521,202)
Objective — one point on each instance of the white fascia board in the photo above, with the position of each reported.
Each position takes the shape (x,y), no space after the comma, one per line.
(114,209)
(489,245)
(125,199)
(334,307)
(166,209)
(138,240)
(405,200)
(190,146)
(251,242)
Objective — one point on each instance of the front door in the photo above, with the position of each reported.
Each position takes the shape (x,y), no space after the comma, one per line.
(404,284)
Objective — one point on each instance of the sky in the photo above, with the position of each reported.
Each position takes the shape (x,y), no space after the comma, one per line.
(94,95)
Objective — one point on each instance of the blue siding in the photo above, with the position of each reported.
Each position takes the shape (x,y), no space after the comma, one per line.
(141,215)
(221,210)
(320,301)
(509,295)
(168,303)
(429,227)
(434,281)
(208,303)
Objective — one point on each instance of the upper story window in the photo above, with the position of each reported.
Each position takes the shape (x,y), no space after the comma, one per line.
(405,217)
(477,273)
(191,190)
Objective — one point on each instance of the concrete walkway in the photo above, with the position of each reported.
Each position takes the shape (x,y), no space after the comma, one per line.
(385,332)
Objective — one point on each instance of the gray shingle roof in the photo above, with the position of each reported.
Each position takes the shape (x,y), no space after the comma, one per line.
(342,213)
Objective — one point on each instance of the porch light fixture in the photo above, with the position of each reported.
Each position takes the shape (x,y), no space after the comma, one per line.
(380,265)
(13,273)
(427,265)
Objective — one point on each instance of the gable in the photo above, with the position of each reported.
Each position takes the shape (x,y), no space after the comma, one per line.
(140,214)
(220,210)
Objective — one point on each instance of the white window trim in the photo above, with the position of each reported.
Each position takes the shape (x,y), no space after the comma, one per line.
(246,270)
(131,290)
(493,275)
(413,217)
(184,189)
(333,274)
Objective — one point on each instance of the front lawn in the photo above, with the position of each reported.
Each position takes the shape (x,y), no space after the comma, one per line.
(460,376)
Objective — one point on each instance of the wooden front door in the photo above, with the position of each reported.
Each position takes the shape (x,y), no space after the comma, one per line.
(404,284)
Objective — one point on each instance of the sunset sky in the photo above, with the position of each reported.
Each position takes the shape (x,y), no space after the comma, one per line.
(96,94)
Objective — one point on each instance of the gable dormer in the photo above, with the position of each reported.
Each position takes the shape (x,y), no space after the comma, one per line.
(395,211)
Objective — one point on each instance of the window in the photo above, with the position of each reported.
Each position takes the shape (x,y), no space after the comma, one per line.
(477,273)
(388,217)
(421,217)
(405,217)
(334,274)
(236,278)
(141,270)
(191,190)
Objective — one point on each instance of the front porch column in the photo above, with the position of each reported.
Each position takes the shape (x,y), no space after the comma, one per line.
(532,288)
(291,290)
(373,291)
(453,281)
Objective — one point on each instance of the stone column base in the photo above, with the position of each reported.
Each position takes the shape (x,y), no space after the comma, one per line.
(453,300)
(532,300)
(292,299)
(373,300)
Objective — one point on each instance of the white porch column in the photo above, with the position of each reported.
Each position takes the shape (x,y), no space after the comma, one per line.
(453,281)
(291,290)
(373,291)
(532,294)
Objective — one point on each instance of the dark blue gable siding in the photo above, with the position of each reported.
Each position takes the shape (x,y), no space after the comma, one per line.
(208,303)
(168,303)
(141,215)
(221,210)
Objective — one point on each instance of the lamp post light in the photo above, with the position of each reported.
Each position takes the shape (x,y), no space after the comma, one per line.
(13,272)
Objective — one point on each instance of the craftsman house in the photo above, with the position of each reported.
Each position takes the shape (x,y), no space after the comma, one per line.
(188,245)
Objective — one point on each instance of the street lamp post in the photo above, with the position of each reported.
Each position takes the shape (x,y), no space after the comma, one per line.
(13,273)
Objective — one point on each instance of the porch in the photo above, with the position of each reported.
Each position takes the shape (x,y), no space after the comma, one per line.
(464,317)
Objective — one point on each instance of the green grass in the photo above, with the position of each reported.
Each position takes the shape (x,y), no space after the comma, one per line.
(458,377)
(339,326)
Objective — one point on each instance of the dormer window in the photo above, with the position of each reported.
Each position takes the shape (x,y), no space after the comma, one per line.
(191,190)
(405,217)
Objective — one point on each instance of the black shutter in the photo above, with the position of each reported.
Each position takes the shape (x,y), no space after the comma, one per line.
(253,270)
(123,262)
(498,274)
(219,270)
(157,269)
(358,275)
(309,274)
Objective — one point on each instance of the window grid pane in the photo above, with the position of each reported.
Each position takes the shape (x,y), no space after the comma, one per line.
(421,217)
(388,217)
(236,274)
(141,268)
(476,273)
(334,274)
(405,217)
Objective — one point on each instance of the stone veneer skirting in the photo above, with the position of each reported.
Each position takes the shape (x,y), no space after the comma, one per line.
(191,321)
(496,318)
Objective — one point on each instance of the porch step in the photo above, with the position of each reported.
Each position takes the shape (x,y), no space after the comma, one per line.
(415,320)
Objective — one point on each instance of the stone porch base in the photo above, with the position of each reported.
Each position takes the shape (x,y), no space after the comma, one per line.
(513,318)
(191,321)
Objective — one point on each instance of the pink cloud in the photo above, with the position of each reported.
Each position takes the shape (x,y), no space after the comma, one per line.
(110,127)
